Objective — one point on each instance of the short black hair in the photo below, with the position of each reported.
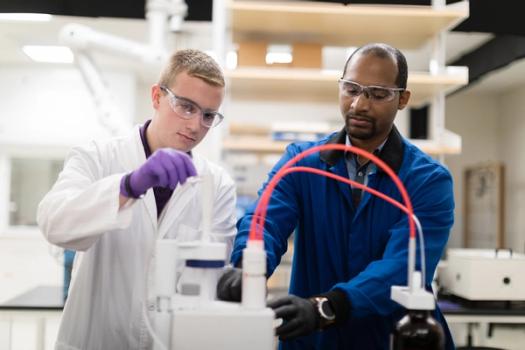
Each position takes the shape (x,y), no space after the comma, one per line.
(385,51)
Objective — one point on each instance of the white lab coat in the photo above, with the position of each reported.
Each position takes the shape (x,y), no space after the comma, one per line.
(104,310)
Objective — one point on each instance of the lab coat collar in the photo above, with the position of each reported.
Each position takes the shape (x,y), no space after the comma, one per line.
(391,153)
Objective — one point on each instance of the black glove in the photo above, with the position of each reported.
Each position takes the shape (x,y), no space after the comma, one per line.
(299,316)
(229,287)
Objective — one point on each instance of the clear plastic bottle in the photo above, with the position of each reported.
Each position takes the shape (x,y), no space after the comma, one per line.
(418,330)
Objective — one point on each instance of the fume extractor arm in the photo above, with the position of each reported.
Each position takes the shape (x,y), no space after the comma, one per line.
(161,15)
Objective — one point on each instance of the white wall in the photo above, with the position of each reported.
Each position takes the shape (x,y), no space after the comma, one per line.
(492,128)
(44,107)
(473,116)
(144,108)
(47,105)
(511,127)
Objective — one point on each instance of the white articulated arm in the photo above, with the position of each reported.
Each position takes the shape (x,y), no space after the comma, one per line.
(84,40)
(109,115)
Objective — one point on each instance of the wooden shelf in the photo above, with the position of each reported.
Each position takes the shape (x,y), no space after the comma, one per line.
(264,145)
(253,144)
(303,85)
(331,24)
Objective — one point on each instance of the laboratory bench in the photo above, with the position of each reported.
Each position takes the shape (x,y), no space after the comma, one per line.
(40,306)
(483,315)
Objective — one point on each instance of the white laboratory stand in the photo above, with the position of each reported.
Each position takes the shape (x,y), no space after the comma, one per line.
(190,317)
(187,314)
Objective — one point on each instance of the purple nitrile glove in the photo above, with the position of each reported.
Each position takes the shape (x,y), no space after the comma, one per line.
(164,168)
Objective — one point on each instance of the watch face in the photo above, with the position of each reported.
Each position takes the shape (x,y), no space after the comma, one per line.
(326,310)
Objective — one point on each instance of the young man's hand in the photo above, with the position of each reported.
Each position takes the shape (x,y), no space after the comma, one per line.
(165,168)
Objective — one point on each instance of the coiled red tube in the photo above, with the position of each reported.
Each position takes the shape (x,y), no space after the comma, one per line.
(257,224)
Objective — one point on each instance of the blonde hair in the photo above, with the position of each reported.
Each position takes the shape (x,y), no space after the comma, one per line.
(196,64)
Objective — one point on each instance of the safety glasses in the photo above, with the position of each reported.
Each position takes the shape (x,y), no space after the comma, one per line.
(375,93)
(188,109)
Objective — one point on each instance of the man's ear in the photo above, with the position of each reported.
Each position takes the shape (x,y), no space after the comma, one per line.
(404,97)
(155,96)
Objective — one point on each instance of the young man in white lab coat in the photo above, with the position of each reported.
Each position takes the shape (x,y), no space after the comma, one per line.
(116,197)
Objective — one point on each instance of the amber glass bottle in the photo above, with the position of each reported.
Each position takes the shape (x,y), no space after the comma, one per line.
(418,330)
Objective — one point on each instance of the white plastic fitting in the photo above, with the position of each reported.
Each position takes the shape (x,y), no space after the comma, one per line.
(415,297)
(254,275)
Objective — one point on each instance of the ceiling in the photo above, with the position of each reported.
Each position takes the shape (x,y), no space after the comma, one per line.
(126,19)
(501,17)
(14,35)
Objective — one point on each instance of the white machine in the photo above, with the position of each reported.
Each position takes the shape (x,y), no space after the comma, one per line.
(484,274)
(188,316)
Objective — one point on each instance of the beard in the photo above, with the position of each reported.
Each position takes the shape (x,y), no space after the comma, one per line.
(365,132)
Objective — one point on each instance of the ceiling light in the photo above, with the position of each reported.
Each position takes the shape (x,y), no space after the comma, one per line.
(35,17)
(48,53)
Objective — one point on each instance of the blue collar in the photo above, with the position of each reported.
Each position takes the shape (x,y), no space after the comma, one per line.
(391,151)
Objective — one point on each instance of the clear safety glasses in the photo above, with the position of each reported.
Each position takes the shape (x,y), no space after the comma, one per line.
(375,93)
(187,109)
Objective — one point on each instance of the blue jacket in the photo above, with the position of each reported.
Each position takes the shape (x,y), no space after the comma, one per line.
(361,251)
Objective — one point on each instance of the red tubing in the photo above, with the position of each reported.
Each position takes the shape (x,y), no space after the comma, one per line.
(257,224)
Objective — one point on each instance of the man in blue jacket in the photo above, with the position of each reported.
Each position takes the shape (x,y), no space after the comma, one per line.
(349,246)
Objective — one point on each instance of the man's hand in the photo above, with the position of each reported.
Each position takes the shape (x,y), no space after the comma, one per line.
(299,316)
(229,287)
(164,168)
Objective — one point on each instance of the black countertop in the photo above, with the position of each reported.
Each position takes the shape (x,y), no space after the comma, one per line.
(38,298)
(458,306)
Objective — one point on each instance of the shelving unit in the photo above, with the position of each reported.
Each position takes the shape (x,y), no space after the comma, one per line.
(330,24)
(294,84)
(261,145)
(333,24)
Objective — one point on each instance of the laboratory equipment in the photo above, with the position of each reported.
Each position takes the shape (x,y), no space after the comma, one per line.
(484,274)
(189,317)
(187,314)
(418,330)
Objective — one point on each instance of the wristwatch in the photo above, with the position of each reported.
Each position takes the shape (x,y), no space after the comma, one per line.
(324,310)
